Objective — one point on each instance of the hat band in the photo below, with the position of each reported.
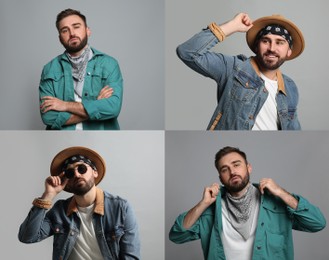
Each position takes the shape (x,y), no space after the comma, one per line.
(277,30)
(78,158)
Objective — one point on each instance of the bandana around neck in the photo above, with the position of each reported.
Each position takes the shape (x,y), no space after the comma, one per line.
(277,30)
(241,210)
(79,64)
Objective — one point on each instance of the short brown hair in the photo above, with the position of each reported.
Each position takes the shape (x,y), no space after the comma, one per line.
(67,12)
(226,150)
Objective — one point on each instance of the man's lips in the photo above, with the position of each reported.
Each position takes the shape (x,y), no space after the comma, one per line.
(235,178)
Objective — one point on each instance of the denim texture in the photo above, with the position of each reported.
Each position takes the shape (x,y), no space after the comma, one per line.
(57,81)
(114,223)
(241,91)
(273,239)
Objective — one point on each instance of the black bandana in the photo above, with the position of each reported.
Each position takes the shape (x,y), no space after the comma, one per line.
(277,30)
(78,158)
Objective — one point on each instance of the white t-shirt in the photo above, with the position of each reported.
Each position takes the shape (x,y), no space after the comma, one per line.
(235,247)
(86,246)
(267,118)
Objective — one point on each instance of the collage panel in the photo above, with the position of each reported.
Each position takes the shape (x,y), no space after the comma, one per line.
(127,41)
(209,80)
(293,162)
(134,171)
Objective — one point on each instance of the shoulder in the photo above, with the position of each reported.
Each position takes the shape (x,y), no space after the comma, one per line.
(104,58)
(114,199)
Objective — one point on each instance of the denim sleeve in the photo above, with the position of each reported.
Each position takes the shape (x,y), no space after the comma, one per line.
(178,234)
(307,217)
(196,54)
(107,108)
(53,119)
(130,243)
(35,227)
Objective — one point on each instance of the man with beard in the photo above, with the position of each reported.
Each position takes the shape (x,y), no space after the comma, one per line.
(92,224)
(244,221)
(252,93)
(82,88)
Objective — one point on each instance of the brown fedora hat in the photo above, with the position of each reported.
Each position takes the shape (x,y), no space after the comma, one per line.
(296,34)
(56,166)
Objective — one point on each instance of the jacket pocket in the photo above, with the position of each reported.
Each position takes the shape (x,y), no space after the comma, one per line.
(113,240)
(244,87)
(276,245)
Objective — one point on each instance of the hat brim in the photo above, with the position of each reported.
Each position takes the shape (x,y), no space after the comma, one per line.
(296,34)
(57,163)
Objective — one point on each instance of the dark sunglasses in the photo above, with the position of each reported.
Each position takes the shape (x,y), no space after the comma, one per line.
(81,168)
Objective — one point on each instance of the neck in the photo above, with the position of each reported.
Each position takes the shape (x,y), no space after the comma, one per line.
(86,199)
(240,193)
(270,74)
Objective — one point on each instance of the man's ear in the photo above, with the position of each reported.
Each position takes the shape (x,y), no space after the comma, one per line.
(249,167)
(289,52)
(88,31)
(95,173)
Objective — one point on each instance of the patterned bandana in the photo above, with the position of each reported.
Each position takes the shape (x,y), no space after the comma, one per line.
(78,158)
(277,30)
(241,210)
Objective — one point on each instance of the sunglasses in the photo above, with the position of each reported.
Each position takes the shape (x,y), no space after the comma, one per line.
(81,168)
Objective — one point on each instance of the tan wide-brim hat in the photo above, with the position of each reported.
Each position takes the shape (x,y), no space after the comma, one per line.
(56,166)
(297,36)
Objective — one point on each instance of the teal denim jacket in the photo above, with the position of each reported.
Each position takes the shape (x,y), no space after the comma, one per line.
(56,81)
(273,239)
(241,91)
(114,223)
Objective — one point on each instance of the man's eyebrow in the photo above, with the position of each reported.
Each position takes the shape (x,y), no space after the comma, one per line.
(65,27)
(236,161)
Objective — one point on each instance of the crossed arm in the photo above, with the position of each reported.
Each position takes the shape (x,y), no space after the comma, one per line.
(78,112)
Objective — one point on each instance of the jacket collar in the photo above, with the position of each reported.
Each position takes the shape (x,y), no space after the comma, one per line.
(279,76)
(99,204)
(63,56)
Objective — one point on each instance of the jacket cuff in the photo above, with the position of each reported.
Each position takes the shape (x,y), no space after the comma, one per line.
(217,31)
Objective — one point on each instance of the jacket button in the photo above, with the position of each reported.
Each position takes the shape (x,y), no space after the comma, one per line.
(88,73)
(259,247)
(251,117)
(57,230)
(86,94)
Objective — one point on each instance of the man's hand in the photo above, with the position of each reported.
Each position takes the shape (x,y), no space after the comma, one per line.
(209,196)
(52,103)
(53,186)
(276,190)
(240,23)
(210,193)
(105,92)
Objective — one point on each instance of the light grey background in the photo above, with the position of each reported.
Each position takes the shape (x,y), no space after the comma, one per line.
(130,31)
(191,98)
(298,162)
(135,171)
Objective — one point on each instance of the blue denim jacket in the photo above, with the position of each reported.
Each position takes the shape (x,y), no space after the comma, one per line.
(273,239)
(241,91)
(114,223)
(57,81)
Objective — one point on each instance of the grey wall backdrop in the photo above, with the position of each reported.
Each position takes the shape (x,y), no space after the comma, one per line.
(135,171)
(296,161)
(191,98)
(131,31)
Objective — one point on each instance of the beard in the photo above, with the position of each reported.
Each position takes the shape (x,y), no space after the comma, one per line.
(76,47)
(80,188)
(266,64)
(232,187)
